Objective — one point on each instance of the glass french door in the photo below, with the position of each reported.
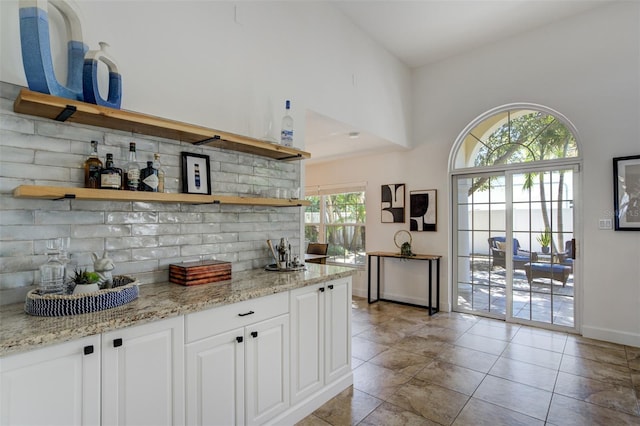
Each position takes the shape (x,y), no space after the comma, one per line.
(514,245)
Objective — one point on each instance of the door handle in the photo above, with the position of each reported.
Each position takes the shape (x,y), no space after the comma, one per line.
(573,248)
(246,313)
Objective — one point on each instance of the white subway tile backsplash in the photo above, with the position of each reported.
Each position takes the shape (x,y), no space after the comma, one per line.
(68,218)
(17,155)
(132,217)
(16,248)
(31,171)
(15,280)
(30,232)
(16,217)
(30,141)
(153,229)
(155,253)
(17,124)
(179,217)
(119,243)
(92,231)
(180,240)
(68,131)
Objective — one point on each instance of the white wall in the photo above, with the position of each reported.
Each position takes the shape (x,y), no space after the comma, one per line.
(230,65)
(587,68)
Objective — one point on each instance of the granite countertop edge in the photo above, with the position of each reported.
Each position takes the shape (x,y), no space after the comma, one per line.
(20,332)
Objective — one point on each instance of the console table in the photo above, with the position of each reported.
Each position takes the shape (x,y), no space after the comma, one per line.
(428,257)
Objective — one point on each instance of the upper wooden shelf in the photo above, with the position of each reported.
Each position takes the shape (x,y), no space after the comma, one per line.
(62,109)
(64,192)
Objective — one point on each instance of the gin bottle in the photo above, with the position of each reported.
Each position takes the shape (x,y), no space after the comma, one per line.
(286,136)
(149,178)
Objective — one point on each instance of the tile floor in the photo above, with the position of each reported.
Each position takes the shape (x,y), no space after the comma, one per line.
(459,369)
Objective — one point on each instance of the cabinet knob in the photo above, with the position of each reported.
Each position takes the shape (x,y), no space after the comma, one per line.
(117,343)
(330,286)
(321,289)
(88,350)
(239,339)
(254,334)
(246,313)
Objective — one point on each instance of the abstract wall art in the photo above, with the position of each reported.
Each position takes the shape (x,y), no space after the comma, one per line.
(393,203)
(423,207)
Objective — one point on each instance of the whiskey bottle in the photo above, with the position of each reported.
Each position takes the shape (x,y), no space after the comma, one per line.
(158,166)
(132,169)
(110,176)
(149,178)
(92,167)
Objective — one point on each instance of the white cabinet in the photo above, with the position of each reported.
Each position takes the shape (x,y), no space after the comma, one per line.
(320,336)
(56,385)
(142,374)
(237,362)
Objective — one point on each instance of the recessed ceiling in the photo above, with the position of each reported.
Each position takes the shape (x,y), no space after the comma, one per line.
(423,32)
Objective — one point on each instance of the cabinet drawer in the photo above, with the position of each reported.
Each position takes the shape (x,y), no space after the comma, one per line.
(200,325)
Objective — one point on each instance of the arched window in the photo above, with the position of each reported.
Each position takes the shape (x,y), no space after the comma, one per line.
(513,135)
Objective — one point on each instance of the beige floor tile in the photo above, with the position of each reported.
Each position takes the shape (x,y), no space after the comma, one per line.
(406,363)
(451,376)
(598,393)
(358,326)
(481,413)
(541,357)
(484,328)
(312,420)
(365,349)
(541,339)
(355,363)
(633,357)
(431,401)
(602,371)
(594,352)
(525,373)
(383,335)
(392,415)
(421,346)
(377,381)
(469,358)
(482,344)
(514,396)
(459,322)
(430,331)
(565,411)
(347,408)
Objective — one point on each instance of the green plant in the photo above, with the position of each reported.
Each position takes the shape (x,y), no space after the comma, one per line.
(81,276)
(544,238)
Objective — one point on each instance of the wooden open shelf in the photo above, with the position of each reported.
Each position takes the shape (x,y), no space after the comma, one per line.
(64,192)
(62,109)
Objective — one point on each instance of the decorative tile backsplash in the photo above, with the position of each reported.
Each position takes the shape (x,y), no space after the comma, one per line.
(142,238)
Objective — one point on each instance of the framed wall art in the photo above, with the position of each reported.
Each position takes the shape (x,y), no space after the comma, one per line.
(423,206)
(196,178)
(626,193)
(392,203)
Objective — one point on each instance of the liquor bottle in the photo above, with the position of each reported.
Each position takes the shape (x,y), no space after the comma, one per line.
(110,176)
(286,136)
(149,178)
(132,169)
(158,166)
(92,167)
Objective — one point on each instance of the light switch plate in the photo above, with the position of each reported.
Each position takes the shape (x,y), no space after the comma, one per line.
(605,224)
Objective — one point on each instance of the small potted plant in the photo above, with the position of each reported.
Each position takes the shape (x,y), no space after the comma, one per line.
(85,282)
(545,240)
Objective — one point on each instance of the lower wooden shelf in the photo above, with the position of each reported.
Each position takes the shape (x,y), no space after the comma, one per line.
(64,192)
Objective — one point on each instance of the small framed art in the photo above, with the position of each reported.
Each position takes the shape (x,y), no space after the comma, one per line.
(392,210)
(423,206)
(196,177)
(626,193)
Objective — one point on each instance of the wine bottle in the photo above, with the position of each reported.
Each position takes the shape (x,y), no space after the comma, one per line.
(158,166)
(110,176)
(132,169)
(92,167)
(149,178)
(286,136)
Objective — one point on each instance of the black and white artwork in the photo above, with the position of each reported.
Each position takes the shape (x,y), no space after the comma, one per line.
(393,203)
(423,207)
(626,193)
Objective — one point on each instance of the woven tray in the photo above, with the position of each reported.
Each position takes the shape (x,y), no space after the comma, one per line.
(56,305)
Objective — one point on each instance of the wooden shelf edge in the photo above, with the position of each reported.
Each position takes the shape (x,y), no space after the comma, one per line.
(63,192)
(48,106)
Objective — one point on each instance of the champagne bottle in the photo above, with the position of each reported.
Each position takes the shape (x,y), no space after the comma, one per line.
(110,176)
(92,167)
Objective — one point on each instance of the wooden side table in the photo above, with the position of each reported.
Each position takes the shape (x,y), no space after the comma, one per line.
(431,258)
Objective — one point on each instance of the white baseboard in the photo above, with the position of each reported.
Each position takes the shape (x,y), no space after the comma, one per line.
(614,336)
(302,409)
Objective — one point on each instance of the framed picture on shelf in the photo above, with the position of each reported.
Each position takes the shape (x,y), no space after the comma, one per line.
(626,193)
(196,178)
(423,206)
(392,203)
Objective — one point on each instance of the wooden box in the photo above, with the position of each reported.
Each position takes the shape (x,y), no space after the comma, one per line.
(204,272)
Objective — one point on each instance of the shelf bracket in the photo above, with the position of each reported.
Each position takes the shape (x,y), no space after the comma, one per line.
(66,197)
(66,113)
(206,141)
(290,157)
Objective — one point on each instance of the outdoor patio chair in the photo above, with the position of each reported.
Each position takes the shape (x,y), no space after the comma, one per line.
(497,246)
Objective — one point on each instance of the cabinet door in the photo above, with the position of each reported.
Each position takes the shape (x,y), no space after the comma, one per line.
(57,385)
(215,380)
(267,369)
(337,329)
(307,341)
(143,374)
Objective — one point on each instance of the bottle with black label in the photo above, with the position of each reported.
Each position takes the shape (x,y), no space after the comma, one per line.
(149,178)
(110,176)
(92,167)
(132,169)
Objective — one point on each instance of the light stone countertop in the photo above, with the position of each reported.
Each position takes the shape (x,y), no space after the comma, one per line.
(21,332)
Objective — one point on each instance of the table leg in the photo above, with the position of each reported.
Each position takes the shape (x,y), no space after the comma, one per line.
(430,288)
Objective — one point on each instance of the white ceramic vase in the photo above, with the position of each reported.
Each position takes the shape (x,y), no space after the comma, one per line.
(86,288)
